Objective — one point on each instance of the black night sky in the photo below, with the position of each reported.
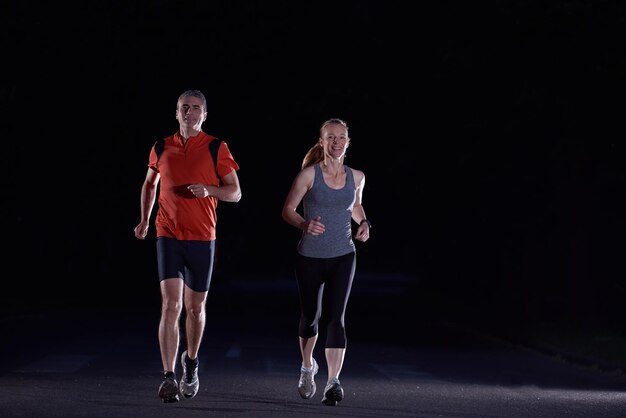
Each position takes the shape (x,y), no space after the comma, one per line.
(490,134)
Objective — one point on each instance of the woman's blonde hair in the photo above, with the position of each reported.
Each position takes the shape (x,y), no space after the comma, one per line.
(316,152)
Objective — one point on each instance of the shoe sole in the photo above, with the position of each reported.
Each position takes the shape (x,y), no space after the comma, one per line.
(172,399)
(333,395)
(189,396)
(185,394)
(304,395)
(169,394)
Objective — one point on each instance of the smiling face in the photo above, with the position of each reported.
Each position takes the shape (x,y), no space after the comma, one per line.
(335,140)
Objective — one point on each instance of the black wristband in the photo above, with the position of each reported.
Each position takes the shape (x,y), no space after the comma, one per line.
(367,222)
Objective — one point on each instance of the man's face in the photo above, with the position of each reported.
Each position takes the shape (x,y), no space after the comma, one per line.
(191,113)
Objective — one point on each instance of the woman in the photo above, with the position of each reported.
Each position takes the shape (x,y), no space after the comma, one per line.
(331,195)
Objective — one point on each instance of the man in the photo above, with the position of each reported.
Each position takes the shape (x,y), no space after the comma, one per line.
(192,182)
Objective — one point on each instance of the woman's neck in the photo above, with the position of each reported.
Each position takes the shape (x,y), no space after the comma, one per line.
(331,165)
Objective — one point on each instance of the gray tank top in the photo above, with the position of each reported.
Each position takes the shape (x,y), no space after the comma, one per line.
(335,208)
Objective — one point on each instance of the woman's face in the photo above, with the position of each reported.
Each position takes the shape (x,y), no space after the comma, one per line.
(335,140)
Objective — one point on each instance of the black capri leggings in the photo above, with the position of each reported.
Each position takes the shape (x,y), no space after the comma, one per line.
(324,282)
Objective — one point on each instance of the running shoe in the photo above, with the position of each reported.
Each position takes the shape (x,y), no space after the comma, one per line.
(333,392)
(306,385)
(168,391)
(189,383)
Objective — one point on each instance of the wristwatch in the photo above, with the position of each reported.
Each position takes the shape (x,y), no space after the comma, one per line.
(367,222)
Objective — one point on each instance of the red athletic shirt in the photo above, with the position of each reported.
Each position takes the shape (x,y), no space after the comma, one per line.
(182,215)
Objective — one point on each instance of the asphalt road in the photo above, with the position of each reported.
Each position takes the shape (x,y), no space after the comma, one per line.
(102,360)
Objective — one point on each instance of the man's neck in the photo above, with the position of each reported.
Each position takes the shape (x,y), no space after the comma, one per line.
(187,133)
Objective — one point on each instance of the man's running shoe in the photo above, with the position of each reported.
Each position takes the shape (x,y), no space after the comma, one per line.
(168,391)
(333,392)
(306,385)
(189,383)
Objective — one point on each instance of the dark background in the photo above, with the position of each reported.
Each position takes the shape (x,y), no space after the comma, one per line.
(490,134)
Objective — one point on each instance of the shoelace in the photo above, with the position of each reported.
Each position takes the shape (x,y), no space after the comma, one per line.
(191,371)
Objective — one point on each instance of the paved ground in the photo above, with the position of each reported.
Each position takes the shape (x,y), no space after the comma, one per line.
(102,360)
